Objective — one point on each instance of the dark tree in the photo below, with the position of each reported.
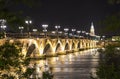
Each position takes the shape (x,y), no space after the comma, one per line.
(10,61)
(14,17)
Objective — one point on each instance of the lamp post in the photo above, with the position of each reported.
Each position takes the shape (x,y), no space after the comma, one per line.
(87,34)
(34,31)
(21,29)
(3,26)
(103,38)
(60,32)
(83,34)
(66,31)
(45,29)
(73,31)
(57,27)
(28,22)
(78,32)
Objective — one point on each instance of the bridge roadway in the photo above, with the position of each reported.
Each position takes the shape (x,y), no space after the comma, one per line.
(77,65)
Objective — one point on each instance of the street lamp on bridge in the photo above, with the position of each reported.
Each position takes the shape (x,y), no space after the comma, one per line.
(57,27)
(28,22)
(73,31)
(66,31)
(78,32)
(3,26)
(34,30)
(21,29)
(87,35)
(45,29)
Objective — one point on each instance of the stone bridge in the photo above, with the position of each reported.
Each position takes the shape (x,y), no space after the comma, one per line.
(36,47)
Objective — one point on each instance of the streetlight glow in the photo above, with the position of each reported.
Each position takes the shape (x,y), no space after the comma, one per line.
(73,30)
(83,31)
(45,28)
(60,32)
(53,32)
(28,22)
(3,27)
(34,30)
(57,27)
(66,29)
(21,27)
(78,32)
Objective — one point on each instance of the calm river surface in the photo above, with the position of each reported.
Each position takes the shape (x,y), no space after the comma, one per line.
(78,65)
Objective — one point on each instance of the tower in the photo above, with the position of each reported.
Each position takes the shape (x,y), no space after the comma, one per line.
(92,30)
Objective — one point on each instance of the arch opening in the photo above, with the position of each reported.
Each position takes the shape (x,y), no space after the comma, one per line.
(47,49)
(78,46)
(58,48)
(30,50)
(67,46)
(73,46)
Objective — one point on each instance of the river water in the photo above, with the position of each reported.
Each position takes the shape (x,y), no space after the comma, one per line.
(77,65)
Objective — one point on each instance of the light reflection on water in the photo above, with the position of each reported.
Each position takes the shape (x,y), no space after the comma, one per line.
(63,63)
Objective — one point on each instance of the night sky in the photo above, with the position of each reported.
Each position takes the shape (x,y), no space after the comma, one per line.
(69,13)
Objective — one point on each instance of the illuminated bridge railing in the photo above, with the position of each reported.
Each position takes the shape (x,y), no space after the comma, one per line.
(37,35)
(33,35)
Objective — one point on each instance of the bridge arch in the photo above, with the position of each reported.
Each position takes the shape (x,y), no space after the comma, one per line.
(78,46)
(67,47)
(59,48)
(31,48)
(73,46)
(47,49)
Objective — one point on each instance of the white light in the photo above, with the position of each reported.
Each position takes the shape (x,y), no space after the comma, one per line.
(53,32)
(45,30)
(73,30)
(81,36)
(3,26)
(34,30)
(83,31)
(87,33)
(44,25)
(21,27)
(60,32)
(113,39)
(57,27)
(26,22)
(3,20)
(70,34)
(30,21)
(78,31)
(66,33)
(75,35)
(66,29)
(103,36)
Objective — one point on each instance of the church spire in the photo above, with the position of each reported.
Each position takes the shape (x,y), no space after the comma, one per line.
(92,30)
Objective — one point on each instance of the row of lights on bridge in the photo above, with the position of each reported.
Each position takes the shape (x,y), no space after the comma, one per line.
(45,26)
